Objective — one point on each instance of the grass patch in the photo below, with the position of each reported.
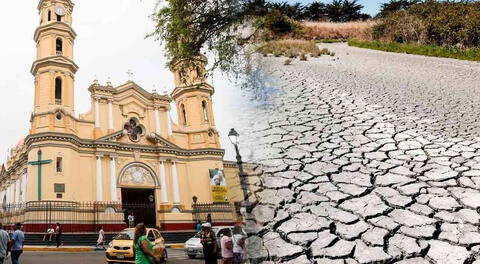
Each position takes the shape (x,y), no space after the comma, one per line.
(331,40)
(291,48)
(338,31)
(471,54)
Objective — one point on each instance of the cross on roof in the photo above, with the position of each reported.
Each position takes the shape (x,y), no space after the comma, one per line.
(130,75)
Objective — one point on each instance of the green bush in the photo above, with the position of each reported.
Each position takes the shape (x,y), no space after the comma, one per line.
(433,23)
(472,54)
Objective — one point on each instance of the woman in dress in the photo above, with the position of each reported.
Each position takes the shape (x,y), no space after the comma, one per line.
(101,237)
(143,247)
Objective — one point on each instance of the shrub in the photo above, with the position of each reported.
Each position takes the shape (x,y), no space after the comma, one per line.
(287,62)
(433,23)
(289,47)
(303,57)
(338,31)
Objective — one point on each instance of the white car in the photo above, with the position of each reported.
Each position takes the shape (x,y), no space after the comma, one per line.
(193,246)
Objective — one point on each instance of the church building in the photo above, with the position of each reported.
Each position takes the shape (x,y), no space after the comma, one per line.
(126,150)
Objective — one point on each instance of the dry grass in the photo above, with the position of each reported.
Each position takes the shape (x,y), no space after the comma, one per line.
(291,48)
(330,30)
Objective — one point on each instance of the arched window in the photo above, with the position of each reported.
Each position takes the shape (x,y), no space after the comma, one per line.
(59,18)
(49,15)
(205,111)
(58,90)
(59,46)
(184,115)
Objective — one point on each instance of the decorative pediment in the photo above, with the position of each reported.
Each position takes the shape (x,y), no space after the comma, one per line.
(152,137)
(133,108)
(157,139)
(112,137)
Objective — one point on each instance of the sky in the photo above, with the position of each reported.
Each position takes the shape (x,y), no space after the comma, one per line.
(111,41)
(371,7)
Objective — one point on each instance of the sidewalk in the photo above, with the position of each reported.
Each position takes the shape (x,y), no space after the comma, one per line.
(78,248)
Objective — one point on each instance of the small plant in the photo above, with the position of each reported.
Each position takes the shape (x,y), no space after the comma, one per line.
(324,51)
(287,62)
(331,53)
(277,54)
(303,57)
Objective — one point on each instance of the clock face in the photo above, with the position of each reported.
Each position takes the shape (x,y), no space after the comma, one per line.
(59,10)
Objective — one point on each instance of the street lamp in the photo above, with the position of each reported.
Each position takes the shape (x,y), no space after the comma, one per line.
(233,136)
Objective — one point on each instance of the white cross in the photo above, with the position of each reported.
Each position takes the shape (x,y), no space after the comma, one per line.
(130,75)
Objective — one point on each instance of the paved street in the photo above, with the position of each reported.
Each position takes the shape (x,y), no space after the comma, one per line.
(370,158)
(176,256)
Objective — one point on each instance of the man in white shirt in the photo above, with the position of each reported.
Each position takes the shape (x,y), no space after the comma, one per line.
(238,245)
(4,240)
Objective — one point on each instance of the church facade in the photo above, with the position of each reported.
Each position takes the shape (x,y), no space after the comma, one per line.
(126,149)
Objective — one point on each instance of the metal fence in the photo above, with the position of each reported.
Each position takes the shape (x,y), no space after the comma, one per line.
(216,212)
(38,216)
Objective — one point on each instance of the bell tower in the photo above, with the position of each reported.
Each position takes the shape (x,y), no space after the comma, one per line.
(54,69)
(193,99)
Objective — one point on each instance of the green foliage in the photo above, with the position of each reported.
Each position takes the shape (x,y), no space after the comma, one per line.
(186,27)
(287,62)
(395,6)
(433,23)
(279,25)
(345,10)
(472,54)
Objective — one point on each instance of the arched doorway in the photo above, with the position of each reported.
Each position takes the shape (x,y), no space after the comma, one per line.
(138,183)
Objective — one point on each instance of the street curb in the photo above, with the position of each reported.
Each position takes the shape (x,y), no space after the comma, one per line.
(81,249)
(58,249)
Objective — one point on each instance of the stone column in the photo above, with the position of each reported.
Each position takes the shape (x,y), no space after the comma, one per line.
(97,112)
(18,186)
(113,180)
(24,192)
(99,179)
(163,184)
(157,121)
(110,115)
(176,190)
(169,123)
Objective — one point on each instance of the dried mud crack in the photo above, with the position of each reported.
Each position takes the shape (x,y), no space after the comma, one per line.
(368,158)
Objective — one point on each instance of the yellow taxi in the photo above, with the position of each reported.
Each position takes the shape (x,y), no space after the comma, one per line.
(120,249)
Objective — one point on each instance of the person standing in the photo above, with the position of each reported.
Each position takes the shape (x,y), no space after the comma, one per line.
(101,237)
(238,245)
(58,235)
(227,247)
(199,226)
(4,241)
(16,244)
(143,247)
(49,234)
(209,243)
(131,220)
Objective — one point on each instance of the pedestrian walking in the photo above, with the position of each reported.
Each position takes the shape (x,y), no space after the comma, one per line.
(209,243)
(209,218)
(131,220)
(4,242)
(49,234)
(238,244)
(16,244)
(58,235)
(101,237)
(227,247)
(143,247)
(199,226)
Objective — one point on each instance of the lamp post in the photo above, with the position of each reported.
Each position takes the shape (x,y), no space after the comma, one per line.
(233,136)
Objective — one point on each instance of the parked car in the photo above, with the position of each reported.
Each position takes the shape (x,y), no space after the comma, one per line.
(120,249)
(194,249)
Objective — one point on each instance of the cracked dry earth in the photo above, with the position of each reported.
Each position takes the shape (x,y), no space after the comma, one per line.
(353,175)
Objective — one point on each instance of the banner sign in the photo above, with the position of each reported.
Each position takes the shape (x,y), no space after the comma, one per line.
(218,183)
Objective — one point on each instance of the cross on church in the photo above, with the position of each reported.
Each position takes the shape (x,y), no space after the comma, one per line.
(39,162)
(130,75)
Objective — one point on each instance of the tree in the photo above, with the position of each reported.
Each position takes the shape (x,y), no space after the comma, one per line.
(316,11)
(186,27)
(345,10)
(395,6)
